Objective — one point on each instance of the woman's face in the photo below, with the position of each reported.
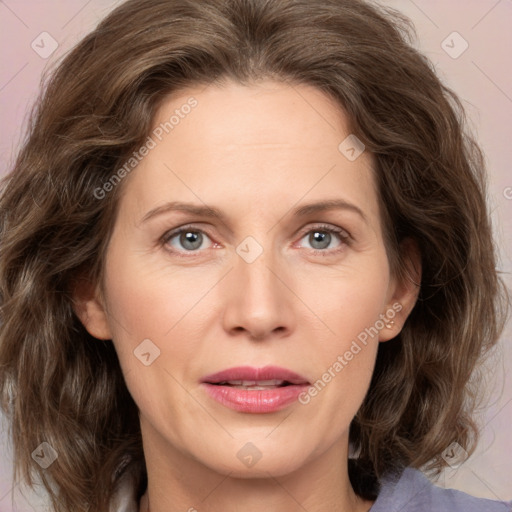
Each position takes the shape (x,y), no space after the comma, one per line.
(273,278)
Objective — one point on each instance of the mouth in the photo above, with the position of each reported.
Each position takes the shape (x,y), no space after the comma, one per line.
(255,390)
(253,384)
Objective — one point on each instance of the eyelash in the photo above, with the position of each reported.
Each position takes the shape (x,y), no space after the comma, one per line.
(343,236)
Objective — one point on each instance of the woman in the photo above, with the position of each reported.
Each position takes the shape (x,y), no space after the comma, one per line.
(246,262)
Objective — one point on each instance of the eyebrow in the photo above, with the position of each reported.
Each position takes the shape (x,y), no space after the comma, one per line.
(328,204)
(212,212)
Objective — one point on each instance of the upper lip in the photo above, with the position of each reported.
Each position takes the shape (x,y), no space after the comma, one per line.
(249,373)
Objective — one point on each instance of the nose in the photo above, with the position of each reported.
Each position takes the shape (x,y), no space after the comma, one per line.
(258,303)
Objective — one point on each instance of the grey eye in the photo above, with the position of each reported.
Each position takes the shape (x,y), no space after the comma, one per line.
(186,239)
(319,239)
(191,240)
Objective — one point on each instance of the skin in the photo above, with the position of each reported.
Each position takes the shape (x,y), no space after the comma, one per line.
(254,152)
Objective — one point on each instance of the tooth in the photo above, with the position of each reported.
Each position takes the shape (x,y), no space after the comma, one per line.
(255,388)
(253,384)
(247,383)
(273,382)
(270,382)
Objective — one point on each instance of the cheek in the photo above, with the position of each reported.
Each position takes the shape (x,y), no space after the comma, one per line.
(147,311)
(344,361)
(148,298)
(347,300)
(349,304)
(148,319)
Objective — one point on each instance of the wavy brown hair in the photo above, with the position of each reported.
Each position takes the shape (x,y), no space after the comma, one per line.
(60,385)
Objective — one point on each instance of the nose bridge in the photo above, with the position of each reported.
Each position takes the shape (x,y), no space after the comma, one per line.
(260,282)
(257,301)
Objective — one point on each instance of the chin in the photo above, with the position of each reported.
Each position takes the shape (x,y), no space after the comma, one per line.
(264,464)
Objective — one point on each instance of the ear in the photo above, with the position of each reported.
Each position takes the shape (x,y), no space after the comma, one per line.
(88,305)
(403,291)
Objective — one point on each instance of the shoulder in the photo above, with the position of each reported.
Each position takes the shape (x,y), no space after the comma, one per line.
(411,491)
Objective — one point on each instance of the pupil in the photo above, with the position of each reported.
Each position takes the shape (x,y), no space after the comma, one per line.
(321,237)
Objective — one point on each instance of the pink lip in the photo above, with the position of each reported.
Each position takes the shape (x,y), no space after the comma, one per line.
(255,401)
(250,373)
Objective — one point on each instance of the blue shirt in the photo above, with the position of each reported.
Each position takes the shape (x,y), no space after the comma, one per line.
(409,492)
(413,492)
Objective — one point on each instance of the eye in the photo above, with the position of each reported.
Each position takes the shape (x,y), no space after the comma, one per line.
(326,240)
(185,239)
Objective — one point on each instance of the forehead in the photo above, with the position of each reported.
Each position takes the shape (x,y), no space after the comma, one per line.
(266,145)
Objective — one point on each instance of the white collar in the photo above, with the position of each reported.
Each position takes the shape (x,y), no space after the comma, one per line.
(124,498)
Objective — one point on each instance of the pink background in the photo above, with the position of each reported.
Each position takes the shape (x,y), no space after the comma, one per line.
(481,75)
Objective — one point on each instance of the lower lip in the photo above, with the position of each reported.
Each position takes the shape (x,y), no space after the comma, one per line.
(255,401)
